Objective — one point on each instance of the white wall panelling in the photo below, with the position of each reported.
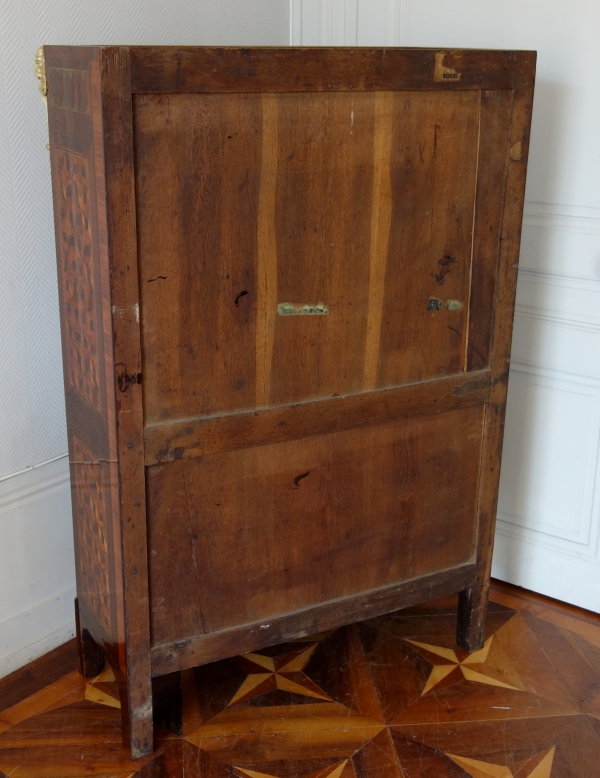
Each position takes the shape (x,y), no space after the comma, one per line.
(549,509)
(346,22)
(36,563)
(36,566)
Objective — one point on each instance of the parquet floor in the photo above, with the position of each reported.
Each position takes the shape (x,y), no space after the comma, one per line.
(392,697)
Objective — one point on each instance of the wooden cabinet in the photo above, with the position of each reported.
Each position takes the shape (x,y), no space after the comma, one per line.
(286,284)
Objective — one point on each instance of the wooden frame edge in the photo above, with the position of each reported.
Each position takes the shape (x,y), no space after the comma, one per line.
(473,601)
(122,242)
(201,649)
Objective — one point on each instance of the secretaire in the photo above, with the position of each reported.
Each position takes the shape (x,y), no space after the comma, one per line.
(286,284)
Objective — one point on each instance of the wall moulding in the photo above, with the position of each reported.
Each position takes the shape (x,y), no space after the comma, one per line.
(542,404)
(347,22)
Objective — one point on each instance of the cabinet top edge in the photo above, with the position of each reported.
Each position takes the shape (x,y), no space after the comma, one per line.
(180,69)
(141,48)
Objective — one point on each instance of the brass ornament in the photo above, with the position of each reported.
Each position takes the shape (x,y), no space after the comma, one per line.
(40,72)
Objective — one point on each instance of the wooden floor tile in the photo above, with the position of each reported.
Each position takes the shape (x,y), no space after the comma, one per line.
(549,747)
(392,697)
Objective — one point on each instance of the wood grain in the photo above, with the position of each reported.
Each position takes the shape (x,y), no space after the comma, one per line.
(266,256)
(473,602)
(225,260)
(36,675)
(491,180)
(434,166)
(200,649)
(358,509)
(198,193)
(381,218)
(363,700)
(197,437)
(157,69)
(122,249)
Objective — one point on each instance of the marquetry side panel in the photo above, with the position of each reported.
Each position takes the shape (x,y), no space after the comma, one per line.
(90,487)
(75,123)
(80,309)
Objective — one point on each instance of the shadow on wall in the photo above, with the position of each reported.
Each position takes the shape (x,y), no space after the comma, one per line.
(548,137)
(543,480)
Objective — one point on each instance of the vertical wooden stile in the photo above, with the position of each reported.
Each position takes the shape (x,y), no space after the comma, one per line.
(136,694)
(473,601)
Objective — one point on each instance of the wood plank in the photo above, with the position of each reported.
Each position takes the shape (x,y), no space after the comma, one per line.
(233,222)
(435,149)
(543,604)
(326,169)
(109,362)
(204,249)
(200,649)
(157,69)
(252,533)
(473,603)
(122,250)
(491,175)
(562,614)
(197,437)
(36,675)
(381,219)
(266,255)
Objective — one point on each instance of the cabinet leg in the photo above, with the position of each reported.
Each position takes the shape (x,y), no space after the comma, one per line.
(89,655)
(135,693)
(472,609)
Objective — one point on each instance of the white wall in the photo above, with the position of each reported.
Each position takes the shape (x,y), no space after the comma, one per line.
(549,511)
(36,548)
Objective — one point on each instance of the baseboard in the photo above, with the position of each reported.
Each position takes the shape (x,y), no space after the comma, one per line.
(545,570)
(34,631)
(37,572)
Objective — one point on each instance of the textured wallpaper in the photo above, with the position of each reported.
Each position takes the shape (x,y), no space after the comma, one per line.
(32,426)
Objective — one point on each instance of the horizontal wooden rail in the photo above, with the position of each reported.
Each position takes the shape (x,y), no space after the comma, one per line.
(200,649)
(164,69)
(211,435)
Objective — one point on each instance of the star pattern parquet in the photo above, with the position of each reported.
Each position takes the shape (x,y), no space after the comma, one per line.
(392,697)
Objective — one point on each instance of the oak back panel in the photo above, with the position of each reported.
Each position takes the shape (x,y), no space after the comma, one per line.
(279,528)
(304,275)
(295,246)
(363,203)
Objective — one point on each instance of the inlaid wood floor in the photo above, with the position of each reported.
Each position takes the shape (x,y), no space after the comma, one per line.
(392,697)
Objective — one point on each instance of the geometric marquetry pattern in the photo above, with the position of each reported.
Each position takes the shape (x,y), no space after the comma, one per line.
(90,486)
(450,665)
(358,702)
(76,276)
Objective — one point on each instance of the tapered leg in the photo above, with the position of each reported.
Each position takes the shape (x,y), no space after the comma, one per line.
(472,609)
(90,656)
(136,718)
